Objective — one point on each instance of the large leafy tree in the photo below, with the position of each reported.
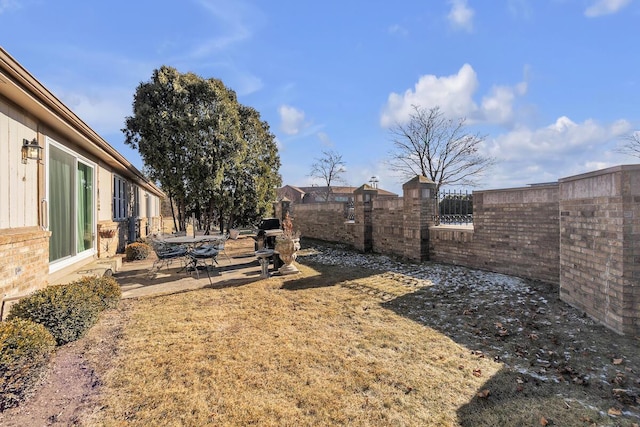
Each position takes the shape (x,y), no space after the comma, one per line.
(249,184)
(439,148)
(189,133)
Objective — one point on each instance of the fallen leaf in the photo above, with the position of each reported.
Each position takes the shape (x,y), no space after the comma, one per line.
(614,411)
(484,393)
(477,372)
(543,421)
(617,361)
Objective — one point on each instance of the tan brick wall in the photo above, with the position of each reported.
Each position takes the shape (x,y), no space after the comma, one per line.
(582,233)
(387,217)
(515,231)
(24,265)
(323,221)
(600,253)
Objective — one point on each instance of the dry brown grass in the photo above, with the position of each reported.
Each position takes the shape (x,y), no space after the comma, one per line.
(352,346)
(314,349)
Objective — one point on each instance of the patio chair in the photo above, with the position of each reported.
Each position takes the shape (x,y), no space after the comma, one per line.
(166,254)
(200,256)
(220,246)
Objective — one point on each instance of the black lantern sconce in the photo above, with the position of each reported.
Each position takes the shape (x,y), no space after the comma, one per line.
(31,150)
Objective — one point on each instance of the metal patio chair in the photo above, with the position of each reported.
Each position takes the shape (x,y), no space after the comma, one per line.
(166,254)
(198,257)
(220,246)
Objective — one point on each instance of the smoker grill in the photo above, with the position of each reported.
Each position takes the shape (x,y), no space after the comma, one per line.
(268,230)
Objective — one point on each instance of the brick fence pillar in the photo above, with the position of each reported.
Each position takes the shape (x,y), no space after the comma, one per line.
(419,212)
(363,206)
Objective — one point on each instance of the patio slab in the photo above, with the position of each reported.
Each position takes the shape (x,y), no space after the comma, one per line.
(137,279)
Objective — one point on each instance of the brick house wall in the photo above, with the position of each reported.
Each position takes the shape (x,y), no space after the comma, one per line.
(25,263)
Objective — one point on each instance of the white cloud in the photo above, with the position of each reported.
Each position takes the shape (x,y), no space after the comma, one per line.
(561,138)
(248,84)
(461,15)
(325,140)
(520,8)
(454,95)
(103,109)
(559,150)
(498,106)
(292,119)
(605,7)
(398,30)
(233,18)
(8,4)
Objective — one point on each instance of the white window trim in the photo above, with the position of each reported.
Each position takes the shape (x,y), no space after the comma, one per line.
(123,202)
(66,262)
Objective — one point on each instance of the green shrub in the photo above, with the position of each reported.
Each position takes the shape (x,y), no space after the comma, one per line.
(25,349)
(105,288)
(137,251)
(67,311)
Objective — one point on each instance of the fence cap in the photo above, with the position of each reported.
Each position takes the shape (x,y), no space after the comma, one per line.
(418,179)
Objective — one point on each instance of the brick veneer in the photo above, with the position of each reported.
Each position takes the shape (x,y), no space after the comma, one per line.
(515,231)
(582,233)
(323,221)
(25,260)
(600,246)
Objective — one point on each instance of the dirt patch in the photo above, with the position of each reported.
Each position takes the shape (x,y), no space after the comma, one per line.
(69,392)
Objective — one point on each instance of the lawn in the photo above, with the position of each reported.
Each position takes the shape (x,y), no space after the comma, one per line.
(333,345)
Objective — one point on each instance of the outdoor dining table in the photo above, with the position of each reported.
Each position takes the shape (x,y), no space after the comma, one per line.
(194,241)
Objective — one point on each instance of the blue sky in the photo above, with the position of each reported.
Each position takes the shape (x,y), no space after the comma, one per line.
(553,84)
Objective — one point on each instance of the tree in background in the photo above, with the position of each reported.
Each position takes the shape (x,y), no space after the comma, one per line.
(189,133)
(248,187)
(631,145)
(330,169)
(438,148)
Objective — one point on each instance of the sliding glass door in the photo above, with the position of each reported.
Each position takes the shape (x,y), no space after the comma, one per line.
(71,205)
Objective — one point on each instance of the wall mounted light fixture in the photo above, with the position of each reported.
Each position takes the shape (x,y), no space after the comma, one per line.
(31,150)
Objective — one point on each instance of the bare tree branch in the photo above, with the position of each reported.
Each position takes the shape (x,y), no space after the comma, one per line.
(438,148)
(631,145)
(330,169)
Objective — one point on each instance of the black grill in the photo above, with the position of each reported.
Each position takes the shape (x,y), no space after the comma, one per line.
(264,241)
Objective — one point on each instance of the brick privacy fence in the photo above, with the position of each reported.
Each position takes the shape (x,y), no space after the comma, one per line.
(582,234)
(514,231)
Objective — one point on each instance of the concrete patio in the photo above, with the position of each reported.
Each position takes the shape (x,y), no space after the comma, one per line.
(138,279)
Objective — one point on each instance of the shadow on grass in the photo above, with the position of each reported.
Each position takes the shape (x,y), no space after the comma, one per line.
(509,398)
(557,363)
(329,275)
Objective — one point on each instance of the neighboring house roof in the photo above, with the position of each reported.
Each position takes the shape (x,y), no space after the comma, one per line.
(18,85)
(345,190)
(335,190)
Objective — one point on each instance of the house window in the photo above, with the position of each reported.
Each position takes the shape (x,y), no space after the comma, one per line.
(119,198)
